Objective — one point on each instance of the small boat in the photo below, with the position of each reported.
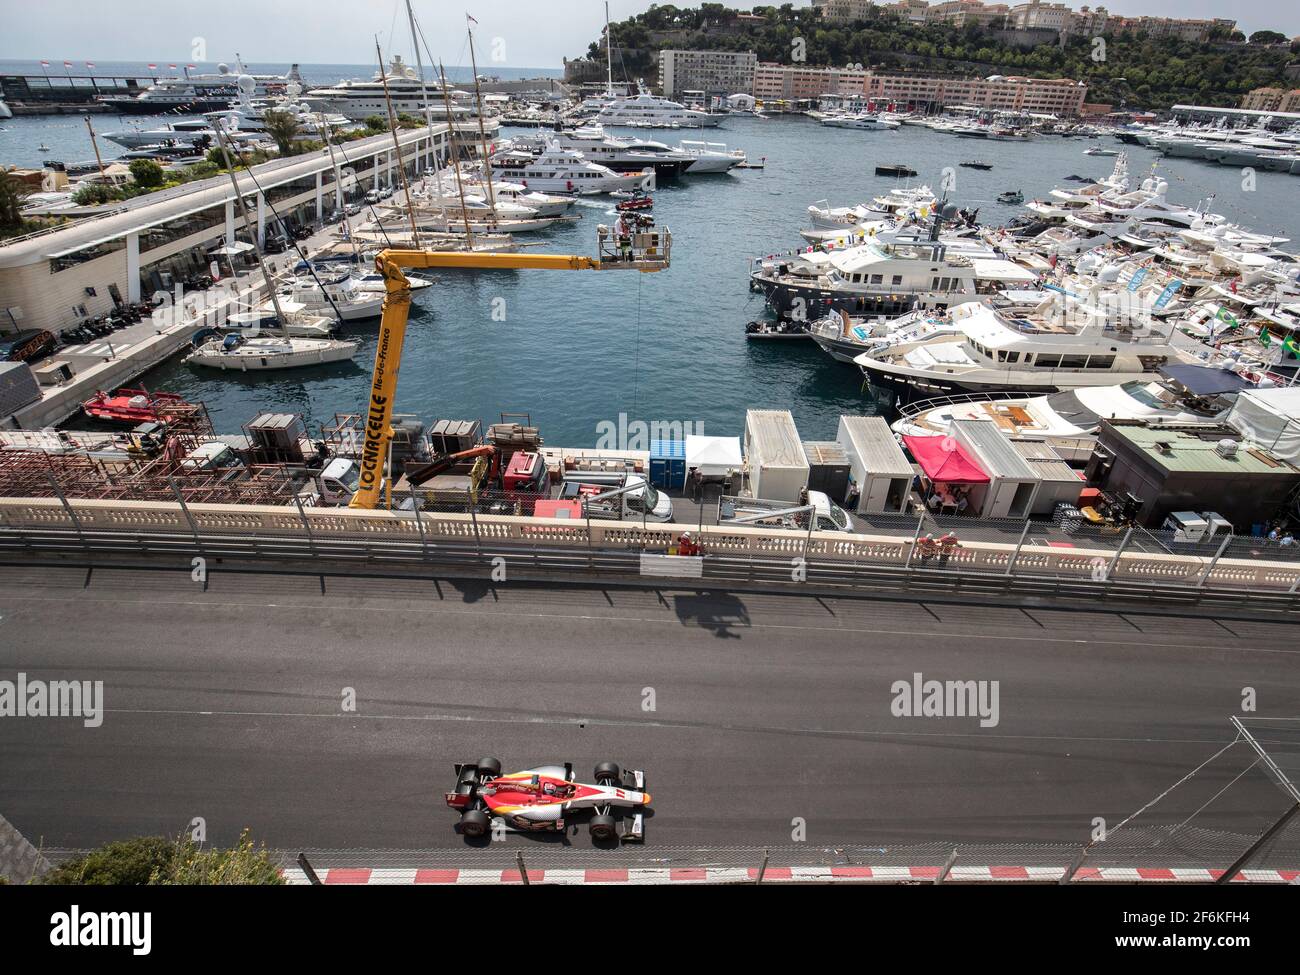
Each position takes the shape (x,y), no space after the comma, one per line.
(976,164)
(895,170)
(43,148)
(1100,151)
(635,203)
(776,330)
(247,355)
(134,406)
(1011,196)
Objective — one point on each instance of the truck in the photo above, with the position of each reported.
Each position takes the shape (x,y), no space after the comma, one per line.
(1190,527)
(771,513)
(639,499)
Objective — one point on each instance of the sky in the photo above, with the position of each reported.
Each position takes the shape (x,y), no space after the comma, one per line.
(518,33)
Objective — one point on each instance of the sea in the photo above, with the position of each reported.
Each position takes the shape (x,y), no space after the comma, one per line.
(581,353)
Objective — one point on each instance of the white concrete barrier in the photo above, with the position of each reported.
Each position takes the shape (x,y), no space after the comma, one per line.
(736,541)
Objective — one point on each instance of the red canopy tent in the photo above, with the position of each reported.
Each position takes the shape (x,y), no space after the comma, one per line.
(944,461)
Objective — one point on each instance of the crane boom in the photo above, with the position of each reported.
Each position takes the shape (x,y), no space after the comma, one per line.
(640,250)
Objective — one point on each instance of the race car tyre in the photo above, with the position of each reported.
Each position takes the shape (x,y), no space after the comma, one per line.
(606,770)
(490,767)
(603,828)
(474,822)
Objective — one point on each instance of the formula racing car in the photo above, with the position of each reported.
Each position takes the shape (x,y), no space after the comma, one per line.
(540,798)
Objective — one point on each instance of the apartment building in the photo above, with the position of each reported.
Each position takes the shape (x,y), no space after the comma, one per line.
(846,11)
(1053,96)
(1272,100)
(1183,29)
(959,13)
(1040,16)
(719,73)
(774,82)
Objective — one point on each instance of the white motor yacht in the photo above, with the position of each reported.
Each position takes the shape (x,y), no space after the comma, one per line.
(1064,344)
(565,171)
(651,112)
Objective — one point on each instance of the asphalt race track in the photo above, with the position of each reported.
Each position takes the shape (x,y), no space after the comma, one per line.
(225,704)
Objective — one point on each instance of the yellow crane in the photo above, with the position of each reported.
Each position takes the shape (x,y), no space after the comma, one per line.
(636,249)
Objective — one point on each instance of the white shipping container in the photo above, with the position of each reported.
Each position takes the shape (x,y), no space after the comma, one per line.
(778,468)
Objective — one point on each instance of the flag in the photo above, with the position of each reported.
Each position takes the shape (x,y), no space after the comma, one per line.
(67,64)
(45,64)
(90,64)
(1292,345)
(1264,338)
(172,66)
(1229,319)
(152,67)
(470,19)
(191,66)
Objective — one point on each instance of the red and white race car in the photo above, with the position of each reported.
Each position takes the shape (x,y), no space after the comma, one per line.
(540,799)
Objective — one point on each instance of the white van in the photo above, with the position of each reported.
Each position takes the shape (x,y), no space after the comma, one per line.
(647,502)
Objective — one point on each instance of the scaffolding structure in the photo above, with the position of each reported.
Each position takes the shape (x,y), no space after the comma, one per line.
(138,476)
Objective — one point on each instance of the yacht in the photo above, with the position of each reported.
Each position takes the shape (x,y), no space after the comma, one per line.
(197,92)
(618,154)
(237,353)
(863,121)
(332,297)
(565,171)
(651,112)
(296,322)
(243,121)
(5,110)
(884,279)
(844,337)
(1068,421)
(710,157)
(357,99)
(1063,344)
(899,202)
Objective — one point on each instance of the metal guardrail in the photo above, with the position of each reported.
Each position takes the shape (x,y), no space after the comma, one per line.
(331,552)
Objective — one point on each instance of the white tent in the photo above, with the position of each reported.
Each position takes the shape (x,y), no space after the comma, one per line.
(1270,418)
(714,456)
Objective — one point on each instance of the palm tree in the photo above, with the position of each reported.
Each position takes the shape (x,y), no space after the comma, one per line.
(12,193)
(283,128)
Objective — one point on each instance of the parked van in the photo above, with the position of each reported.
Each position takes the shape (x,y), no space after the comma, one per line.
(643,502)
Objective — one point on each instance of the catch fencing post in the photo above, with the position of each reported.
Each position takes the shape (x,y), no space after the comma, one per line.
(523,871)
(305,865)
(194,529)
(1073,868)
(306,525)
(947,868)
(1227,540)
(920,523)
(1019,545)
(473,516)
(591,563)
(762,868)
(76,522)
(419,523)
(1110,569)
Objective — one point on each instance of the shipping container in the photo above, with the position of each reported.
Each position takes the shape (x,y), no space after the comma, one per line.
(778,469)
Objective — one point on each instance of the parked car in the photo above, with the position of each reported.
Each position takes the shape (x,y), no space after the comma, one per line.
(27,346)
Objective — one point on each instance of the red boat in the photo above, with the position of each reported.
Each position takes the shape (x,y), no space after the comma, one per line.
(636,203)
(133,406)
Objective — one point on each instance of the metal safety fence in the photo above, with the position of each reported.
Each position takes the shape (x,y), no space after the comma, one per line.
(1024,557)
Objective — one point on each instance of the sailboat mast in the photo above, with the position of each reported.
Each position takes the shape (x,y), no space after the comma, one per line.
(455,157)
(609,55)
(338,181)
(482,134)
(219,128)
(397,148)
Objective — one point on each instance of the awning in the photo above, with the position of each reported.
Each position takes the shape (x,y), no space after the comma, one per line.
(713,455)
(229,250)
(1205,380)
(943,459)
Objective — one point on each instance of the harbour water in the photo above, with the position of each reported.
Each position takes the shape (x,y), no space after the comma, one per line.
(576,349)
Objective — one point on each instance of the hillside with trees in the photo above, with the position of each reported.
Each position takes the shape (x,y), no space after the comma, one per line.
(1140,71)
